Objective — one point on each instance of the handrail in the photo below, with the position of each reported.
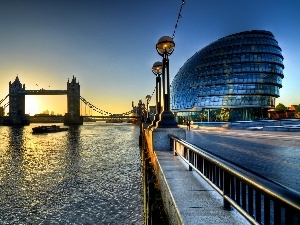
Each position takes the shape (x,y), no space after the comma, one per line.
(258,199)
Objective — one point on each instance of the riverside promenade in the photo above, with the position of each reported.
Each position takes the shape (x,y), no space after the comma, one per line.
(190,200)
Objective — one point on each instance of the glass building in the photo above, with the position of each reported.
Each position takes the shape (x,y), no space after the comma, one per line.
(237,77)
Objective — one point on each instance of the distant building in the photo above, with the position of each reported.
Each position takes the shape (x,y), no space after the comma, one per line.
(16,114)
(293,107)
(284,114)
(237,77)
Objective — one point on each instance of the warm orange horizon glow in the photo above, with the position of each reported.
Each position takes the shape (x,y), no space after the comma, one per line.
(31,105)
(39,104)
(57,104)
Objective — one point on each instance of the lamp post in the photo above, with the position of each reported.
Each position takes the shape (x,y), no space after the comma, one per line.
(165,47)
(148,98)
(157,69)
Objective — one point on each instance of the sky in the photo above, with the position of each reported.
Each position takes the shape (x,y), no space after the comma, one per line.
(109,46)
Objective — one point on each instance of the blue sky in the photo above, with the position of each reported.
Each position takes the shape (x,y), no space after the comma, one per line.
(110,45)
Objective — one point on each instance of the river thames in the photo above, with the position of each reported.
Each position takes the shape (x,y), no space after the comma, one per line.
(90,174)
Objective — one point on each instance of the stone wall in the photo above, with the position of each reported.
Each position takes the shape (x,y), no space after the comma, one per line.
(166,195)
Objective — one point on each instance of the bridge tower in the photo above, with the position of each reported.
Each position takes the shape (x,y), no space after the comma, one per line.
(16,104)
(73,99)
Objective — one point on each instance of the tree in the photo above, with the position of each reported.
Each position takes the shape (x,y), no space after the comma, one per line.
(297,110)
(280,106)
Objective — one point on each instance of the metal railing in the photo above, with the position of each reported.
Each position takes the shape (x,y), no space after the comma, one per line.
(259,200)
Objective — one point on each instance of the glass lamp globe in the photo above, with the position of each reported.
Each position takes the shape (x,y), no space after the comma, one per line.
(165,45)
(157,68)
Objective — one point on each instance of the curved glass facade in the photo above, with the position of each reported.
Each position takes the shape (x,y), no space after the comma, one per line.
(241,73)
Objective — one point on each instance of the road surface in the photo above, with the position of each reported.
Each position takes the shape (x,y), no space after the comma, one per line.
(275,155)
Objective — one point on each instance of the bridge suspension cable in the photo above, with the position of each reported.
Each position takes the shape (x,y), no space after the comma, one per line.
(96,109)
(3,99)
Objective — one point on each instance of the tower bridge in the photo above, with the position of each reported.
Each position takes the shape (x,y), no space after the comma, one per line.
(16,103)
(17,93)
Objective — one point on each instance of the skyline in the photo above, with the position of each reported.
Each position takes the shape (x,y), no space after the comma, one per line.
(110,47)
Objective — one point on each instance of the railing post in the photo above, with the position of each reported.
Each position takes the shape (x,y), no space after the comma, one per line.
(232,188)
(258,206)
(226,189)
(244,195)
(250,200)
(174,146)
(189,158)
(171,144)
(214,173)
(277,213)
(288,216)
(238,192)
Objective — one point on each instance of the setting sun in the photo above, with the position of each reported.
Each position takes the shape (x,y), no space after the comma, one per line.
(31,106)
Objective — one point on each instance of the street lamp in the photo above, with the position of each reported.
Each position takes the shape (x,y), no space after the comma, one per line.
(148,98)
(165,47)
(157,69)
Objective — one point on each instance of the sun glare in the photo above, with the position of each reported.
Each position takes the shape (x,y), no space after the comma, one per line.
(31,105)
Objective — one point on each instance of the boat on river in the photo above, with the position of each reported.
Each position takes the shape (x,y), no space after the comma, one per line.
(48,129)
(114,121)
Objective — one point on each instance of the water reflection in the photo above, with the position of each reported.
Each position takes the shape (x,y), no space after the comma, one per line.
(87,175)
(72,156)
(15,152)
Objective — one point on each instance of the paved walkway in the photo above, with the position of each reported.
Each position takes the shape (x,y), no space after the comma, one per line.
(197,202)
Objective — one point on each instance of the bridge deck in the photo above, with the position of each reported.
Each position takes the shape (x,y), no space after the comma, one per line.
(44,92)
